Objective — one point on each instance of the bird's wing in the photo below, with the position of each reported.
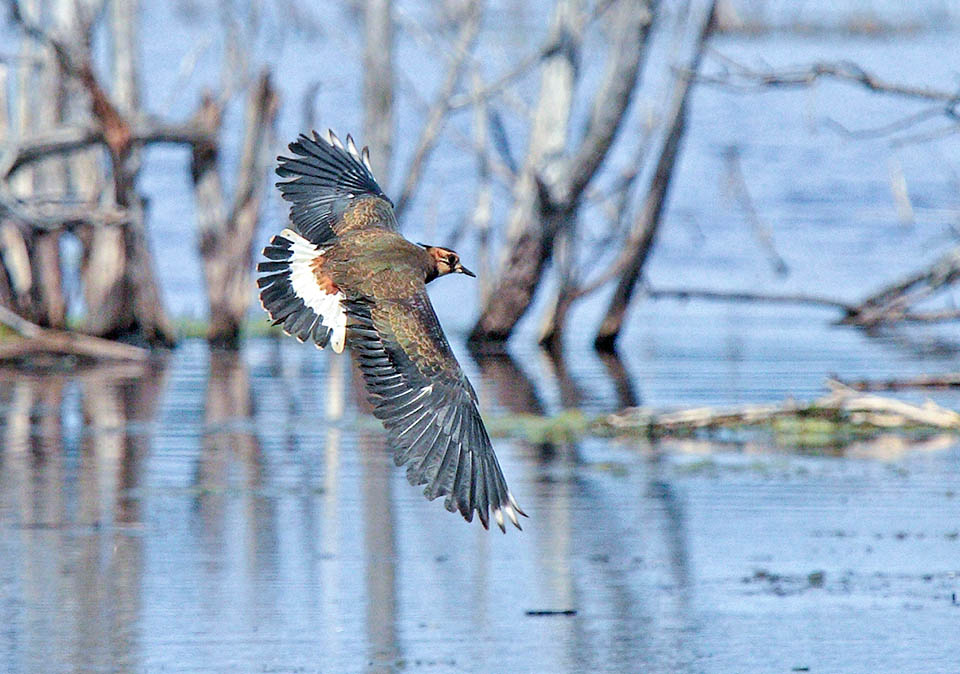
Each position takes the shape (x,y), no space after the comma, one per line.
(428,406)
(332,189)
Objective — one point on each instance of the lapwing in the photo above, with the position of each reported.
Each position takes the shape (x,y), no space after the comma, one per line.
(342,275)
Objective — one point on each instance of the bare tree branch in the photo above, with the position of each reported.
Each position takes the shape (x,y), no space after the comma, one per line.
(744,78)
(760,230)
(645,228)
(430,133)
(378,85)
(893,303)
(71,139)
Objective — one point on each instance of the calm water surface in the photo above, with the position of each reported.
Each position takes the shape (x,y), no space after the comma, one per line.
(219,513)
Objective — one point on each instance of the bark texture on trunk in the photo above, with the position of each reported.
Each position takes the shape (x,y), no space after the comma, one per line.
(552,182)
(533,218)
(378,86)
(631,24)
(644,231)
(226,232)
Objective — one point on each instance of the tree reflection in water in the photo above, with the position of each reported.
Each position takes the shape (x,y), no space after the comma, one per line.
(253,506)
(71,467)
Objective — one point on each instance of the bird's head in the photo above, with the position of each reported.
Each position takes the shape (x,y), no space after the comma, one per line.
(445,261)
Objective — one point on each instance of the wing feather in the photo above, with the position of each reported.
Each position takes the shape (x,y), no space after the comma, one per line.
(427,405)
(326,181)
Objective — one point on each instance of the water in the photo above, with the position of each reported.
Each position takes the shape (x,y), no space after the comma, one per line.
(205,514)
(209,512)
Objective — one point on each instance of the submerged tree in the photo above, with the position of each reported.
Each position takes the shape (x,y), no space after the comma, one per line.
(70,164)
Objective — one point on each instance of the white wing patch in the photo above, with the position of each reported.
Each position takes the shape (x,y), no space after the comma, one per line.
(326,305)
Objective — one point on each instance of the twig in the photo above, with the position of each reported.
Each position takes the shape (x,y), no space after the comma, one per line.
(896,126)
(934,381)
(742,77)
(760,229)
(36,339)
(496,87)
(429,135)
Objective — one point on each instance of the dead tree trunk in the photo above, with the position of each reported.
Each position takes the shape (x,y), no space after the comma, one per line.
(631,24)
(49,301)
(226,235)
(378,85)
(38,81)
(645,227)
(548,193)
(532,223)
(121,289)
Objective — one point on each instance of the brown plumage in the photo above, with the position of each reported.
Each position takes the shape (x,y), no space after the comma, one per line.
(343,275)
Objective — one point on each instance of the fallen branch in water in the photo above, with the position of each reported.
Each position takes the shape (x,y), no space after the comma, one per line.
(893,302)
(838,420)
(35,339)
(934,381)
(843,405)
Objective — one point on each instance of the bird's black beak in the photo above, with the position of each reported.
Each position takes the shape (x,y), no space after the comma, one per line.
(460,269)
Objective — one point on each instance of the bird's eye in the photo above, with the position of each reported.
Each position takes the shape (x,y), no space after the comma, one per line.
(452,260)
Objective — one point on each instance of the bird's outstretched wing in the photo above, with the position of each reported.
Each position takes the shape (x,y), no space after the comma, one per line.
(332,189)
(428,406)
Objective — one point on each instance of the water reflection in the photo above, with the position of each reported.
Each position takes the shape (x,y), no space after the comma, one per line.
(626,392)
(512,390)
(71,520)
(220,511)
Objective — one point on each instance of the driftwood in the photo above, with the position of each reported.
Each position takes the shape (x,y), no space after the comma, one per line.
(34,340)
(842,404)
(929,381)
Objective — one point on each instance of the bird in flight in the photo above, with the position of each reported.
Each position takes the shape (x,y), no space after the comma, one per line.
(342,275)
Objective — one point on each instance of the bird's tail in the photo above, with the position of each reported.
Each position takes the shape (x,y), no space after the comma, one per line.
(297,295)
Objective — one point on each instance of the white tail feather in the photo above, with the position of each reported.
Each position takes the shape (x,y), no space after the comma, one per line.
(304,281)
